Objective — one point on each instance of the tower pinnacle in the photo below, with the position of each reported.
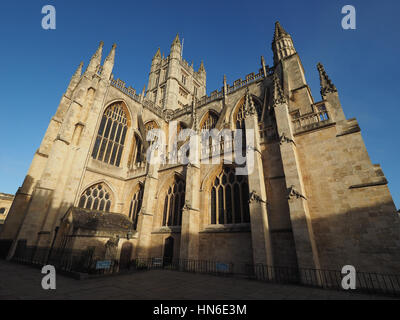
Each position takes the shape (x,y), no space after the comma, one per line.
(75,79)
(109,63)
(96,59)
(327,85)
(282,45)
(176,40)
(279,31)
(202,69)
(157,55)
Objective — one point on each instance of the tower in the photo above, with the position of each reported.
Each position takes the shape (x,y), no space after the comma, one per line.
(172,81)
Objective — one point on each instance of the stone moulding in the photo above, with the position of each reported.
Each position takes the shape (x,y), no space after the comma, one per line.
(351,127)
(382,182)
(167,230)
(245,227)
(313,127)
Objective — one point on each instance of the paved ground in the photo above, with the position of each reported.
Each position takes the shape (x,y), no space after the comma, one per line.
(24,282)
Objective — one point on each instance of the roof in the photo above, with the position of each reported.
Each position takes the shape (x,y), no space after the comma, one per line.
(6,196)
(98,220)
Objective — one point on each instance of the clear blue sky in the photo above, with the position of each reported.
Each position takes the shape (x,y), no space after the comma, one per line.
(230,36)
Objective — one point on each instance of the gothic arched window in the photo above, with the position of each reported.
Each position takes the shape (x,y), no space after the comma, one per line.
(230,198)
(151,125)
(97,197)
(241,113)
(111,136)
(173,204)
(137,150)
(136,205)
(209,122)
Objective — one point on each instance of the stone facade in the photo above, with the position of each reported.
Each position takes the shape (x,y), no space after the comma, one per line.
(5,205)
(313,200)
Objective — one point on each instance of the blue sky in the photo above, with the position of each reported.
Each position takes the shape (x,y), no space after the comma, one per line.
(230,36)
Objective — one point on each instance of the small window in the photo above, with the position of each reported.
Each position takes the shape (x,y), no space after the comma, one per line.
(323,113)
(136,206)
(3,211)
(184,79)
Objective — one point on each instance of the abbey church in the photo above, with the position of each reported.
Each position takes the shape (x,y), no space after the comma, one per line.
(313,200)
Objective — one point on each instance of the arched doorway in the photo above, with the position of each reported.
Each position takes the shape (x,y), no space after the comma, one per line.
(125,257)
(168,251)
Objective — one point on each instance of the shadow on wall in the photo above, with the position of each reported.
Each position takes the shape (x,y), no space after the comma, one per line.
(366,238)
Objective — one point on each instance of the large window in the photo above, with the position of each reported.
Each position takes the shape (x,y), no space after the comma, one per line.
(111,136)
(149,126)
(97,197)
(136,205)
(209,122)
(241,113)
(173,204)
(230,198)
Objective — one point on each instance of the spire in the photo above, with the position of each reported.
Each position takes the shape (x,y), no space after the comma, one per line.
(279,96)
(111,55)
(96,59)
(326,84)
(75,79)
(143,93)
(78,71)
(282,45)
(225,86)
(263,66)
(176,40)
(144,90)
(176,48)
(157,55)
(279,31)
(109,63)
(202,69)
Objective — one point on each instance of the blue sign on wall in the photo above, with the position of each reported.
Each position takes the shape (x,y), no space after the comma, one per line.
(103,265)
(222,267)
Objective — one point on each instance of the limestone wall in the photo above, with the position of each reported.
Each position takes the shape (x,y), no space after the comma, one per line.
(354,218)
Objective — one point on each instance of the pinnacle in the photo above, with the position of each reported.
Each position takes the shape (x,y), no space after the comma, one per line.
(158,54)
(327,85)
(279,31)
(176,40)
(202,66)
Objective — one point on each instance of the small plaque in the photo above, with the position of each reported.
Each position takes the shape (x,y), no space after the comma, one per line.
(222,267)
(103,265)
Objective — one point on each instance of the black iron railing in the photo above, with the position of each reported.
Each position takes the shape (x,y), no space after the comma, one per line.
(195,266)
(366,282)
(84,261)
